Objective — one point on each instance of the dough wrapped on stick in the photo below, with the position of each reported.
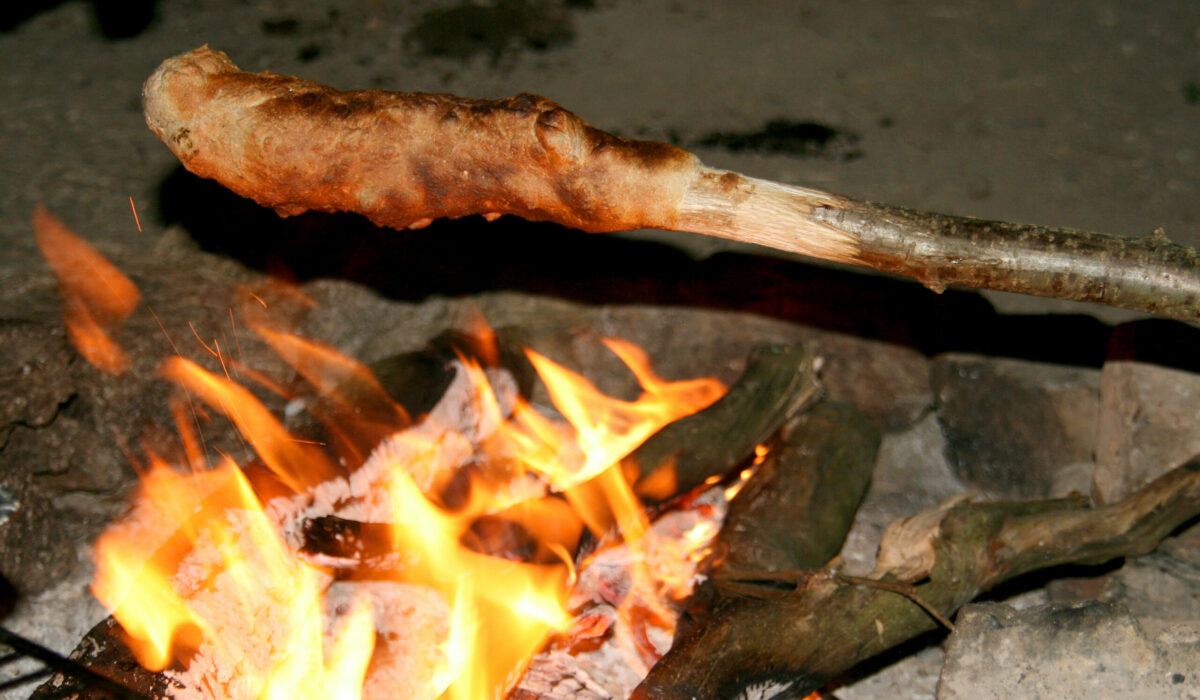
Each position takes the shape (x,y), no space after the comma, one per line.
(404,159)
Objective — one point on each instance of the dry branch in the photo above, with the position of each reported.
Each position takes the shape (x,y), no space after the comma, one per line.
(404,159)
(795,644)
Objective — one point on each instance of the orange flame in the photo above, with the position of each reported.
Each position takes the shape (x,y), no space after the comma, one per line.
(204,574)
(96,295)
(225,582)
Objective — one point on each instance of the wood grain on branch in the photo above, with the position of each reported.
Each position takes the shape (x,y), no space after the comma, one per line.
(404,159)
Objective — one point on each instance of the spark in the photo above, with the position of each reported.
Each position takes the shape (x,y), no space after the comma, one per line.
(221,357)
(206,346)
(236,340)
(136,219)
(164,330)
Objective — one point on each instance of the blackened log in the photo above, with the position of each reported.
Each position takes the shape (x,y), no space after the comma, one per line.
(105,651)
(331,536)
(792,645)
(792,514)
(362,410)
(796,509)
(778,381)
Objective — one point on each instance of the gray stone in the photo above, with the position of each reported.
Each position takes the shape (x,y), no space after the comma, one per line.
(1092,649)
(1164,583)
(911,474)
(1149,424)
(1014,428)
(888,382)
(34,380)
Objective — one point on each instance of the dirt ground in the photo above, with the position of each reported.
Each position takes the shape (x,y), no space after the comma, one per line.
(1042,111)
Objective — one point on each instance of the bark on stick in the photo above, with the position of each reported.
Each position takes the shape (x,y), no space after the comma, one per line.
(404,159)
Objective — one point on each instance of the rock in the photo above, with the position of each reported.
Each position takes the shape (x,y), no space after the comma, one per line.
(1014,428)
(1149,406)
(1164,583)
(48,455)
(911,474)
(1092,649)
(68,431)
(33,373)
(887,382)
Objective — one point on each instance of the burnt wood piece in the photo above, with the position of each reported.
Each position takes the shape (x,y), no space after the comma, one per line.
(795,511)
(794,644)
(418,380)
(779,380)
(360,411)
(792,514)
(354,540)
(104,650)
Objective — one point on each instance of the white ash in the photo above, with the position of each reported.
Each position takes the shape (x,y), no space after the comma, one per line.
(407,616)
(409,621)
(256,628)
(440,442)
(612,669)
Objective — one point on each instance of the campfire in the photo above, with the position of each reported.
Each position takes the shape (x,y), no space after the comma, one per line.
(516,531)
(436,566)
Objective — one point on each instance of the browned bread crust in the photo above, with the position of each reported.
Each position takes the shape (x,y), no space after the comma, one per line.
(403,159)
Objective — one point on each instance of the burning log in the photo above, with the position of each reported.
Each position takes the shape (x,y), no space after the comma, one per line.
(405,159)
(929,565)
(795,511)
(778,381)
(792,514)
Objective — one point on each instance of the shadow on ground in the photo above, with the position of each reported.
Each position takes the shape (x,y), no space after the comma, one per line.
(470,256)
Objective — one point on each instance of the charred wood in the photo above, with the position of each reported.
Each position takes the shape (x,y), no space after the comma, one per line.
(795,511)
(104,648)
(779,380)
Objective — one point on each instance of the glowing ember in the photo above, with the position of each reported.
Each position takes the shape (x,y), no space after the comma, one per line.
(217,588)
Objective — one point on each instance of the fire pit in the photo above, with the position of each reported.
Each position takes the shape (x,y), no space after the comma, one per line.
(754,579)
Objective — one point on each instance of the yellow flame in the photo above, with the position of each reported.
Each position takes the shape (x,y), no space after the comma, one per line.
(296,464)
(222,579)
(224,582)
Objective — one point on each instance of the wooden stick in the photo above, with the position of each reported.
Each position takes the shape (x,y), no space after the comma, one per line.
(404,159)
